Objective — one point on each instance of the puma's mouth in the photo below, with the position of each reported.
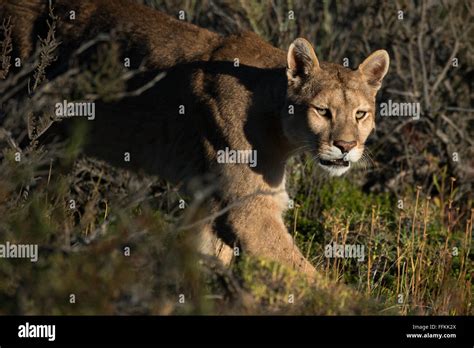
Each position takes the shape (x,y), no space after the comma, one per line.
(335,163)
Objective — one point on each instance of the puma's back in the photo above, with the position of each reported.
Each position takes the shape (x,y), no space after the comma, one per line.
(143,31)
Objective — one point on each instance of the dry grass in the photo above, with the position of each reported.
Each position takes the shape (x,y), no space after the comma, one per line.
(417,248)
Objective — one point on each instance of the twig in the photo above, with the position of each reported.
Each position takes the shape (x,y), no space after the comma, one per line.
(6,48)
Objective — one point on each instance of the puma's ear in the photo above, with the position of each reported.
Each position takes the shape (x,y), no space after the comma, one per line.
(374,67)
(302,60)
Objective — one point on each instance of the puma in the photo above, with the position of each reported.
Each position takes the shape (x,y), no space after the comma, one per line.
(234,93)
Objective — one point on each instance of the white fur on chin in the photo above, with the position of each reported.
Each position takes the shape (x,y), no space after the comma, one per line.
(335,171)
(334,153)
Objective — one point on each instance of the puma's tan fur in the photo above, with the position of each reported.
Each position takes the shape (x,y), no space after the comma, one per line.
(272,101)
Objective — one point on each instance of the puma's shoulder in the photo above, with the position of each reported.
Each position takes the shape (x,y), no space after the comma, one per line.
(249,49)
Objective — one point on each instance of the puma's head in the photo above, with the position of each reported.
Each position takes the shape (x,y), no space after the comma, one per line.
(330,109)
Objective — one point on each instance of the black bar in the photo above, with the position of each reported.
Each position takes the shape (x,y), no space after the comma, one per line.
(260,330)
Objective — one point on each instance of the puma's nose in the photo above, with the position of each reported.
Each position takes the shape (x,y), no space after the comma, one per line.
(345,146)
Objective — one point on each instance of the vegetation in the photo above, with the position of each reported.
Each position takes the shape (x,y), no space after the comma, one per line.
(110,241)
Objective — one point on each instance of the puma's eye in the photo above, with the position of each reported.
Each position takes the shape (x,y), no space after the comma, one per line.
(360,115)
(322,111)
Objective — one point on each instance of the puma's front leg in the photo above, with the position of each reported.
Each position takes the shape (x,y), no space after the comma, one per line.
(260,231)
